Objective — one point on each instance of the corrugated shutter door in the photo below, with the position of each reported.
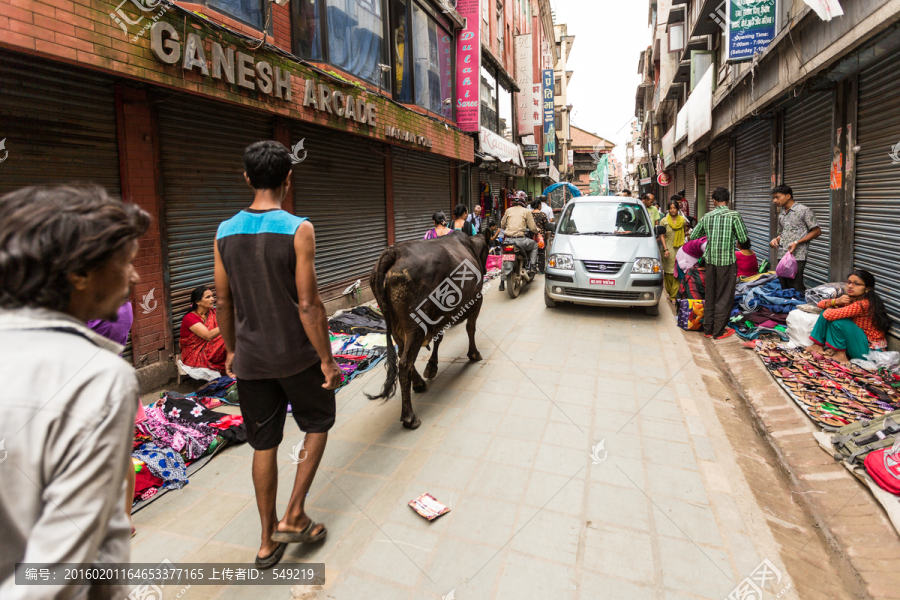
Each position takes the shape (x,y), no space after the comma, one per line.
(59,123)
(340,188)
(717,174)
(752,182)
(878,182)
(202,146)
(681,184)
(690,186)
(807,170)
(421,186)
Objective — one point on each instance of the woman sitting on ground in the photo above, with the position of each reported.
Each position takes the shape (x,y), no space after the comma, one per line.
(747,263)
(854,324)
(459,222)
(440,226)
(201,344)
(693,284)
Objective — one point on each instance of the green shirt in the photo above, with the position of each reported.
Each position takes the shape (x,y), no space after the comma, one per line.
(654,214)
(722,228)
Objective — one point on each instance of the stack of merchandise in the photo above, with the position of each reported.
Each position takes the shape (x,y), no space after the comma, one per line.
(179,432)
(358,340)
(761,307)
(832,394)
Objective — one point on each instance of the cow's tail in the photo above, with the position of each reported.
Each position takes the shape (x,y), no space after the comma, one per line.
(387,260)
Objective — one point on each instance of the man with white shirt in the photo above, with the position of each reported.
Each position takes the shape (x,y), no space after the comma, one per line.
(475,218)
(68,404)
(545,208)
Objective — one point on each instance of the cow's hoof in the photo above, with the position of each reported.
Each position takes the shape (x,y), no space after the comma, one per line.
(420,387)
(430,370)
(414,423)
(475,356)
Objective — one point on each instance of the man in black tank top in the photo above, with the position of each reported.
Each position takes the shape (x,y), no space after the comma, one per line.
(276,333)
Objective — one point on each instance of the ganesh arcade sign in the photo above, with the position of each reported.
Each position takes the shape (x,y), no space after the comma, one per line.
(242,69)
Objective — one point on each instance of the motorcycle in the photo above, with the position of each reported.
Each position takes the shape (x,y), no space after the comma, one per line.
(513,274)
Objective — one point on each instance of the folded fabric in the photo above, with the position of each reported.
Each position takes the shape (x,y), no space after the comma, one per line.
(145,480)
(772,297)
(188,409)
(170,431)
(228,421)
(199,373)
(758,280)
(217,388)
(167,465)
(770,324)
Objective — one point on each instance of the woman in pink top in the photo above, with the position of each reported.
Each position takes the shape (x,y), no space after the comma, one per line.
(746,260)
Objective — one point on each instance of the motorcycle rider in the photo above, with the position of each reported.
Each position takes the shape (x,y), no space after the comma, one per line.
(515,222)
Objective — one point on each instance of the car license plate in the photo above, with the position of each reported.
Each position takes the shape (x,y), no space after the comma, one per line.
(603,282)
(509,258)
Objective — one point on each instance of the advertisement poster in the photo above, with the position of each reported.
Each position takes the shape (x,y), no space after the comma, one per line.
(547,103)
(468,68)
(525,81)
(751,27)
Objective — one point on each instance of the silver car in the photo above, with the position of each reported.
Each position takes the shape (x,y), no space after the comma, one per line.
(604,254)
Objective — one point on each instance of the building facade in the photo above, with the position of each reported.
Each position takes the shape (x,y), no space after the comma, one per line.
(157,105)
(814,106)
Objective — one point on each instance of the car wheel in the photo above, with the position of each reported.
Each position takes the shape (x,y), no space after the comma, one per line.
(652,311)
(548,301)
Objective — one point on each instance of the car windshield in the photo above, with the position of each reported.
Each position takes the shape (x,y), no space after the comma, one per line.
(600,218)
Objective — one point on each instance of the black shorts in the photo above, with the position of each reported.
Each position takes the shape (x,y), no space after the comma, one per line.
(264,406)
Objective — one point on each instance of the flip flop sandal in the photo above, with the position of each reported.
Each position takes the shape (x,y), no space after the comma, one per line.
(271,560)
(301,537)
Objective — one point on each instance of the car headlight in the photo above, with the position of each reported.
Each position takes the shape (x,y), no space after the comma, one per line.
(562,261)
(647,266)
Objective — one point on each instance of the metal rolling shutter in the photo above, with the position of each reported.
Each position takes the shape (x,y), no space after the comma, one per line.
(340,188)
(690,186)
(717,173)
(421,186)
(752,182)
(878,182)
(202,145)
(60,125)
(679,185)
(807,170)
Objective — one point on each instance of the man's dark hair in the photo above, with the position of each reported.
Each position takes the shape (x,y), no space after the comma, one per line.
(267,164)
(644,196)
(720,195)
(627,193)
(47,233)
(675,198)
(783,189)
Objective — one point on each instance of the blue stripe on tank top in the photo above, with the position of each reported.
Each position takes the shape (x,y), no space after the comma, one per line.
(247,223)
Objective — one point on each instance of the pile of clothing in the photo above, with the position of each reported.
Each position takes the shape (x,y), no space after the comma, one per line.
(832,394)
(358,340)
(177,431)
(761,307)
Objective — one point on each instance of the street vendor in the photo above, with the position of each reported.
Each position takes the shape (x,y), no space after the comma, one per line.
(854,324)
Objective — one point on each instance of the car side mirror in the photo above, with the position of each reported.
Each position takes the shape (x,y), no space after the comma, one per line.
(660,230)
(550,227)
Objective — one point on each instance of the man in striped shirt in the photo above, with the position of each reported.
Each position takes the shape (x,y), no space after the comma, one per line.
(722,227)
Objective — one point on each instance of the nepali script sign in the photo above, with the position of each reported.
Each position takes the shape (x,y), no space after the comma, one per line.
(468,68)
(751,27)
(526,103)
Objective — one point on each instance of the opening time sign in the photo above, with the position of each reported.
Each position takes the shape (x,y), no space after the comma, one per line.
(751,27)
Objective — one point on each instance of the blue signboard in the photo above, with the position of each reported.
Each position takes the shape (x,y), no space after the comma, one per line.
(751,27)
(547,103)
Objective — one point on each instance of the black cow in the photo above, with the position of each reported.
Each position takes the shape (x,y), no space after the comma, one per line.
(422,288)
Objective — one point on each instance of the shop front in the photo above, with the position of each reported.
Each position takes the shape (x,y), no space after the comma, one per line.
(170,137)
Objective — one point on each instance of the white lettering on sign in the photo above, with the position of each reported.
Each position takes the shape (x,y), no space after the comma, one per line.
(407,136)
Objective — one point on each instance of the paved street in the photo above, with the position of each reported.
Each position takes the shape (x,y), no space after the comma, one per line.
(662,511)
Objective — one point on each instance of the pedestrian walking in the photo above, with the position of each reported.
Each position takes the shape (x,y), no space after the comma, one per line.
(276,334)
(475,218)
(545,208)
(69,402)
(649,201)
(676,226)
(722,227)
(797,227)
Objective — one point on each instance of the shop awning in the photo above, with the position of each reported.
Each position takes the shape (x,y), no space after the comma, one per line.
(500,148)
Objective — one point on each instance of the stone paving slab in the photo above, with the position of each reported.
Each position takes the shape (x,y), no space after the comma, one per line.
(601,461)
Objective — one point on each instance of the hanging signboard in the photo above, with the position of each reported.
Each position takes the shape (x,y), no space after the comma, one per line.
(468,67)
(700,111)
(536,119)
(663,179)
(547,103)
(668,147)
(525,81)
(531,152)
(681,122)
(751,27)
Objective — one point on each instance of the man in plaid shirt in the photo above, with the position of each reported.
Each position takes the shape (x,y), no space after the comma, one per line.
(722,228)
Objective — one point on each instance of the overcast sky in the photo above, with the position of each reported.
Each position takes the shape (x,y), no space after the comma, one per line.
(609,37)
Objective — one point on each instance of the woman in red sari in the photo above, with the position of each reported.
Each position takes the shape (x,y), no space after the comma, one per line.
(201,343)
